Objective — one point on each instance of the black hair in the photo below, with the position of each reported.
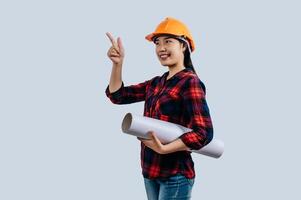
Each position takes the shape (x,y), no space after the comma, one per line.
(187,59)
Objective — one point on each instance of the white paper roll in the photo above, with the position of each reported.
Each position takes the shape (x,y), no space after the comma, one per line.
(167,132)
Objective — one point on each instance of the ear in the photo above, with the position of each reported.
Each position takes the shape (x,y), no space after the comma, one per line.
(184,46)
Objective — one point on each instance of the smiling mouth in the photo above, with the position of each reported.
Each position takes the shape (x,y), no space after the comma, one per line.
(164,56)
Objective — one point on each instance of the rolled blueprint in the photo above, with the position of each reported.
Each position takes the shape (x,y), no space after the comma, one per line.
(167,132)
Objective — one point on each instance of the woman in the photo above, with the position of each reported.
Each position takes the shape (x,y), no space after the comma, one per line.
(178,96)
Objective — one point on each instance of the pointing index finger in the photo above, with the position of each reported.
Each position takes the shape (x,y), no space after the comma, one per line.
(111,39)
(114,43)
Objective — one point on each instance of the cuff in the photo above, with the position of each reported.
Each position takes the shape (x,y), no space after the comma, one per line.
(191,140)
(114,95)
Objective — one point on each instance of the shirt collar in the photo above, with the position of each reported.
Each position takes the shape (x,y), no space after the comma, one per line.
(178,75)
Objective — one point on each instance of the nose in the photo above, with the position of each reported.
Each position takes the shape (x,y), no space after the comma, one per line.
(161,48)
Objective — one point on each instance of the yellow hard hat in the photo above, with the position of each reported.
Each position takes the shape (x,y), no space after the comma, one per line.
(175,27)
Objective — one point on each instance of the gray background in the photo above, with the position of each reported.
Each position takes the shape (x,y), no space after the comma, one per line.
(60,135)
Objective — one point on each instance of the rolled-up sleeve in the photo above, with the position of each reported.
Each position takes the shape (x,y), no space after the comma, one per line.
(196,115)
(128,94)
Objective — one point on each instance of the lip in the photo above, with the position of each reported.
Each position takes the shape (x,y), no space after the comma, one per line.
(164,55)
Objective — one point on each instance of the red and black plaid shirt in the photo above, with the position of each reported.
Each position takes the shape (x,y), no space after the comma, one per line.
(180,100)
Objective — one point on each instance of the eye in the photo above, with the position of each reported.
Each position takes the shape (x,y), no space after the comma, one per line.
(168,41)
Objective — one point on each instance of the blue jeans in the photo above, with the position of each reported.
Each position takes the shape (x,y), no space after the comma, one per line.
(174,187)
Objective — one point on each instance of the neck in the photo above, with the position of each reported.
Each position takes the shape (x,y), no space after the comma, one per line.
(174,69)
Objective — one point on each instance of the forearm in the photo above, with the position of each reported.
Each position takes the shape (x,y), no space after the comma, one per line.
(116,78)
(174,146)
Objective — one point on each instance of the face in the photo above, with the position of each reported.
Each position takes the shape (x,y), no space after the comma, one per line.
(170,51)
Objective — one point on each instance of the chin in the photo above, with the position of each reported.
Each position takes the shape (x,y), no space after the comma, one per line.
(166,64)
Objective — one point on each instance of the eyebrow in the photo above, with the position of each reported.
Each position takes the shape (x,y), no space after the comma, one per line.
(165,38)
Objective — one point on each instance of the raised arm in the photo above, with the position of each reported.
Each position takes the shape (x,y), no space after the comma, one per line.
(116,54)
(116,91)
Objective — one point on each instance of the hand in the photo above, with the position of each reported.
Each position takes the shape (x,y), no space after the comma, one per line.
(116,51)
(154,143)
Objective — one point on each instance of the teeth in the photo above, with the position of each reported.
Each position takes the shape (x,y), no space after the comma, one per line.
(164,56)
